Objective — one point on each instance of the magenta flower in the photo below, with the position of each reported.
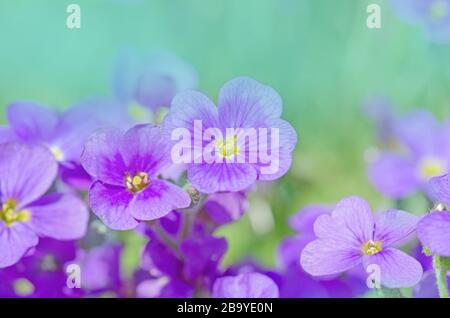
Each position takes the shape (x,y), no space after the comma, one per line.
(244,106)
(352,235)
(427,155)
(249,285)
(27,213)
(125,167)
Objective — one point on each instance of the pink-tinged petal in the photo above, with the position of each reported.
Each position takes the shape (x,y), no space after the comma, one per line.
(250,285)
(26,172)
(439,189)
(394,176)
(101,157)
(325,257)
(144,149)
(434,232)
(244,102)
(216,177)
(31,122)
(15,241)
(157,200)
(59,216)
(397,269)
(111,205)
(394,226)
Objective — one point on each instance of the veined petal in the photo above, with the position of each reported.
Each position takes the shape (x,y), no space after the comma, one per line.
(394,226)
(59,216)
(26,172)
(15,241)
(439,189)
(434,232)
(249,285)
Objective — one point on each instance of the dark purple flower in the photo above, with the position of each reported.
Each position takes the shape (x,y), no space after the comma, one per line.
(26,173)
(249,285)
(247,110)
(433,15)
(427,145)
(352,235)
(125,167)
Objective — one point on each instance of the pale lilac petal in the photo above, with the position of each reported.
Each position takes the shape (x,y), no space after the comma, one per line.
(15,241)
(244,102)
(335,229)
(217,177)
(226,207)
(59,216)
(394,226)
(157,200)
(397,269)
(144,149)
(394,176)
(26,172)
(434,232)
(250,285)
(6,134)
(325,257)
(303,220)
(155,91)
(31,122)
(101,157)
(439,189)
(111,205)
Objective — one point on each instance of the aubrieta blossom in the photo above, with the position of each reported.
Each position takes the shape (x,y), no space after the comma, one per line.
(433,15)
(248,285)
(426,154)
(244,106)
(125,169)
(434,229)
(26,211)
(151,82)
(352,235)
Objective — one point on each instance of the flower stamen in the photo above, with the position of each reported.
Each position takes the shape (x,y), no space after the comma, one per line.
(371,247)
(227,148)
(137,182)
(10,215)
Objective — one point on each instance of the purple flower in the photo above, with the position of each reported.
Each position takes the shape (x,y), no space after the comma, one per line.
(27,213)
(152,82)
(125,167)
(249,285)
(434,232)
(427,287)
(380,111)
(352,235)
(245,108)
(433,15)
(427,145)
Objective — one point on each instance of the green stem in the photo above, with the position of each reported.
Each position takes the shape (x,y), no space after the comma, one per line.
(389,293)
(440,269)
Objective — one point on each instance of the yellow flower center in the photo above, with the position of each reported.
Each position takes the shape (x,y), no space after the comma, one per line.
(137,182)
(431,167)
(227,148)
(371,247)
(57,153)
(10,215)
(439,10)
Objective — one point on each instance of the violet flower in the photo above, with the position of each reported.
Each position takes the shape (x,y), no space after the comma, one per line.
(125,167)
(27,213)
(249,285)
(352,235)
(244,104)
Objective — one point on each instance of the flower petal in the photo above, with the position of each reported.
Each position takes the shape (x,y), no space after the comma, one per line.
(15,241)
(26,172)
(394,176)
(249,285)
(397,269)
(157,200)
(101,157)
(394,226)
(325,257)
(434,232)
(439,189)
(59,216)
(111,205)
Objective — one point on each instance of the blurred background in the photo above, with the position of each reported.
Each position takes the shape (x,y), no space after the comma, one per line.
(318,54)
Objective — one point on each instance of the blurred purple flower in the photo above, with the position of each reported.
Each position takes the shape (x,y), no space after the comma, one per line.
(243,103)
(380,111)
(427,287)
(352,235)
(427,145)
(125,167)
(152,82)
(433,15)
(26,173)
(249,285)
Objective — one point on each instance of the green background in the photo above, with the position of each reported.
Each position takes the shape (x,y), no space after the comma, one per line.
(318,54)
